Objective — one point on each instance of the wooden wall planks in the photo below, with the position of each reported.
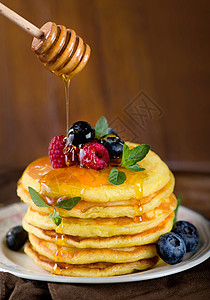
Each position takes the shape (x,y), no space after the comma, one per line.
(144,53)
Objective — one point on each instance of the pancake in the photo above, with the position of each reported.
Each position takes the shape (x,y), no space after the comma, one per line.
(143,238)
(89,270)
(94,185)
(74,255)
(128,208)
(104,227)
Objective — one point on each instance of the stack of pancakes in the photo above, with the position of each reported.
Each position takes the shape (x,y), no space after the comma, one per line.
(111,231)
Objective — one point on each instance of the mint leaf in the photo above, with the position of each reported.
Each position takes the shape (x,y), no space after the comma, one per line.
(57,220)
(179,199)
(55,214)
(117,177)
(68,204)
(139,152)
(130,158)
(135,168)
(38,201)
(102,127)
(126,152)
(55,217)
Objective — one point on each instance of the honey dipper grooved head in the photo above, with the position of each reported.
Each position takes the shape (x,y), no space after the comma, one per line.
(60,50)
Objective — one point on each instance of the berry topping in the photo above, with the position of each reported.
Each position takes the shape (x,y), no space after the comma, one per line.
(16,237)
(94,155)
(113,144)
(188,233)
(171,248)
(55,152)
(81,133)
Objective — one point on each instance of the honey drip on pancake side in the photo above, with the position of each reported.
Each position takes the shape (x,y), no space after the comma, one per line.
(138,188)
(59,240)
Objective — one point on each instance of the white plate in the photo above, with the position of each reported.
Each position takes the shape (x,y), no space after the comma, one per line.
(21,265)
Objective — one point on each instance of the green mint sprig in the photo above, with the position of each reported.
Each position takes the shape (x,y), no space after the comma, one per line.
(67,204)
(38,201)
(130,159)
(117,177)
(102,127)
(179,200)
(55,217)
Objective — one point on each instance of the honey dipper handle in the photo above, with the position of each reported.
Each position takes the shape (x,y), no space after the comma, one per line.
(21,22)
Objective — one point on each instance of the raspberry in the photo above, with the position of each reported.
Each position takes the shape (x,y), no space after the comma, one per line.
(94,155)
(55,152)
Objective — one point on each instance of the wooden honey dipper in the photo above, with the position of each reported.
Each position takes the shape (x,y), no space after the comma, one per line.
(59,49)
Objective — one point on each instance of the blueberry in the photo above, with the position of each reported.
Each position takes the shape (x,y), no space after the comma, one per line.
(171,248)
(16,237)
(113,144)
(112,131)
(189,234)
(81,133)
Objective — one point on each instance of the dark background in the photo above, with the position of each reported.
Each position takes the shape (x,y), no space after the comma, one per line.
(148,74)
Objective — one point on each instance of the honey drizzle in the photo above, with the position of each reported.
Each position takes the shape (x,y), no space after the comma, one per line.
(59,241)
(54,59)
(66,81)
(138,188)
